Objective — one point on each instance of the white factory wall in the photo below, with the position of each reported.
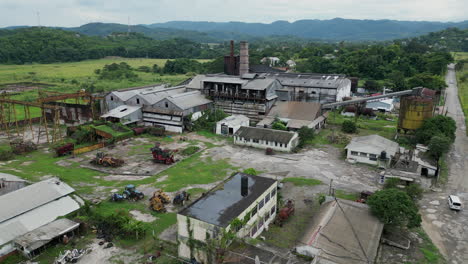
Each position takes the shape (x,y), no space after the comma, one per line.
(263,144)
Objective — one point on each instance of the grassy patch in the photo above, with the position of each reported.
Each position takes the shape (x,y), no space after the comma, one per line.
(444,171)
(190,150)
(463,85)
(352,196)
(195,170)
(429,250)
(303,181)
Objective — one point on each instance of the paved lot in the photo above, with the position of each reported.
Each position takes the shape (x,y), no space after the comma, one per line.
(448,229)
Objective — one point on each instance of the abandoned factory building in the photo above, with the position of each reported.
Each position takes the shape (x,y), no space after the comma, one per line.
(264,138)
(249,199)
(372,149)
(230,124)
(31,207)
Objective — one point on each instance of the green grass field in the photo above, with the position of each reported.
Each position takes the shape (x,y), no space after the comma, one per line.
(462,81)
(68,77)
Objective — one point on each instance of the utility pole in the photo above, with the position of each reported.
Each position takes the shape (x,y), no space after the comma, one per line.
(38,19)
(330,187)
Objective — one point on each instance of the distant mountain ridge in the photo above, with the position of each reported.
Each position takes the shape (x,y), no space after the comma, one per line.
(333,29)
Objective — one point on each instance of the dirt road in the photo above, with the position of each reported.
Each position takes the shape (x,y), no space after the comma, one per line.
(448,228)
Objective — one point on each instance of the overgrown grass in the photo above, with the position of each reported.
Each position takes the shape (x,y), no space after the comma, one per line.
(463,85)
(444,171)
(195,170)
(429,250)
(352,196)
(302,181)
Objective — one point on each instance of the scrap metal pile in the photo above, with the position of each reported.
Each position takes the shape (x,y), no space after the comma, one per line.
(105,160)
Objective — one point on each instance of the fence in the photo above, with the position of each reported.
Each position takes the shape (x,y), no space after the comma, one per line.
(88,148)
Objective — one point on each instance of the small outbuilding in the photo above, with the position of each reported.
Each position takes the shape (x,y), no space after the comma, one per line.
(230,124)
(372,149)
(381,105)
(125,114)
(264,138)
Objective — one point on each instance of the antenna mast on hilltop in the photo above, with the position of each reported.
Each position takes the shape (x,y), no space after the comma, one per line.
(128,24)
(38,19)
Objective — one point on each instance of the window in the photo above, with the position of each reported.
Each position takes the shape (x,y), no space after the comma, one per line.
(362,154)
(355,153)
(254,230)
(281,145)
(276,144)
(254,211)
(267,199)
(260,223)
(286,145)
(138,100)
(112,98)
(255,140)
(261,204)
(372,157)
(273,193)
(167,105)
(273,210)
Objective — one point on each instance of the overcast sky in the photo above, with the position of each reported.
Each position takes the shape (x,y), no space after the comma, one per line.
(78,12)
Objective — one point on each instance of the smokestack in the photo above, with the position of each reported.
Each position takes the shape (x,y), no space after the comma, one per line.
(244,58)
(244,186)
(231,60)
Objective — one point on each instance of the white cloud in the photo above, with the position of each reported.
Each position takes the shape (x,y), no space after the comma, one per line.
(78,12)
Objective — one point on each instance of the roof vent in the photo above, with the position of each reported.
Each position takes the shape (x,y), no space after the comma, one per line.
(244,185)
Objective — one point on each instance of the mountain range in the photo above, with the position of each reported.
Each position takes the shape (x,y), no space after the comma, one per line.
(337,29)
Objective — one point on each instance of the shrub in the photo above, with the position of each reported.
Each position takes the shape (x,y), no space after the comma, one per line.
(6,155)
(349,127)
(305,135)
(251,171)
(414,191)
(279,126)
(190,150)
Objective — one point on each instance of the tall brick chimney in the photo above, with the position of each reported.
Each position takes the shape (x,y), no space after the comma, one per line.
(244,58)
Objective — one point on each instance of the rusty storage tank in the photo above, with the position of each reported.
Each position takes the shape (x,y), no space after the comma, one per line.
(413,111)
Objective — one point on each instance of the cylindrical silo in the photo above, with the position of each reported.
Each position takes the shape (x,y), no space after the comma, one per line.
(413,111)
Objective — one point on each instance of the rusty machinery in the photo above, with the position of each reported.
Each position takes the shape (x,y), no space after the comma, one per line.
(158,201)
(49,113)
(105,160)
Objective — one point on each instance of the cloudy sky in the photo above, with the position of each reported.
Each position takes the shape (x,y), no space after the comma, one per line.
(78,12)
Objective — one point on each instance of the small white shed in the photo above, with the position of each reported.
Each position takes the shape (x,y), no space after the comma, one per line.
(230,124)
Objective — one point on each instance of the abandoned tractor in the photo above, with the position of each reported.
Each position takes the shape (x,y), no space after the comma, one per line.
(285,213)
(106,160)
(165,156)
(180,198)
(158,201)
(63,150)
(130,193)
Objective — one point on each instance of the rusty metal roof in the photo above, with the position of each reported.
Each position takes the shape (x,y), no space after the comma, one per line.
(296,110)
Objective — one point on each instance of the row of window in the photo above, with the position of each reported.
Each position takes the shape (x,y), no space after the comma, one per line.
(262,220)
(166,104)
(363,154)
(264,142)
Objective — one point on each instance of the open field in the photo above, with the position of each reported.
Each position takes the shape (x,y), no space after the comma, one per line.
(69,77)
(462,82)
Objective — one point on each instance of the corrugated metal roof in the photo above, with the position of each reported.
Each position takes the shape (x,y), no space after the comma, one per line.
(271,135)
(258,84)
(234,120)
(373,144)
(32,196)
(44,234)
(296,110)
(188,100)
(39,216)
(121,111)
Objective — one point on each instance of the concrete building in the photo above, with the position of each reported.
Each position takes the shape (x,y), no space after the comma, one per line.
(31,207)
(295,115)
(372,149)
(170,111)
(125,114)
(230,124)
(251,200)
(426,166)
(264,138)
(345,233)
(33,243)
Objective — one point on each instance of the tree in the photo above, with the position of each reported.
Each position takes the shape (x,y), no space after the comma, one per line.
(439,145)
(391,183)
(438,125)
(427,80)
(414,191)
(349,126)
(279,126)
(305,135)
(394,208)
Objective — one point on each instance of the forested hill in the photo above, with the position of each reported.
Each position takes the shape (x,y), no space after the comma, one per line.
(47,45)
(452,39)
(333,29)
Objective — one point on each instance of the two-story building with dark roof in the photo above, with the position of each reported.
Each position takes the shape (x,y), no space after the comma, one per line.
(243,204)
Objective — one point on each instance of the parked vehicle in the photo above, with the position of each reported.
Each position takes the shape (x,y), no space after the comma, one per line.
(158,200)
(454,202)
(165,156)
(180,198)
(131,192)
(66,149)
